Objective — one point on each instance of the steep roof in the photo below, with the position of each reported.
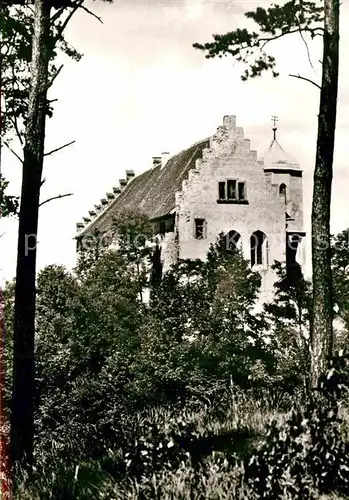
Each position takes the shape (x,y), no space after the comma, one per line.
(153,192)
(276,157)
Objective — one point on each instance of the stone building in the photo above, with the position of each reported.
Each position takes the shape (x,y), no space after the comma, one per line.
(216,186)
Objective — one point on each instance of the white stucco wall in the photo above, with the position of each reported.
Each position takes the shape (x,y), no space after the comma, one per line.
(230,157)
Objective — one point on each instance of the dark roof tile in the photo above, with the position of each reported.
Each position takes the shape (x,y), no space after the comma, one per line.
(153,192)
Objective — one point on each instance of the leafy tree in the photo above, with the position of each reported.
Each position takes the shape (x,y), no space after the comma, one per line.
(310,18)
(102,353)
(6,310)
(340,270)
(134,233)
(8,204)
(15,57)
(292,297)
(46,36)
(87,338)
(289,318)
(89,249)
(210,306)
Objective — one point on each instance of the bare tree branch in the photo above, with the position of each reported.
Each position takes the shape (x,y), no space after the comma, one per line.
(306,80)
(307,49)
(55,76)
(91,13)
(60,148)
(313,31)
(272,38)
(12,151)
(14,117)
(58,197)
(15,125)
(57,14)
(75,7)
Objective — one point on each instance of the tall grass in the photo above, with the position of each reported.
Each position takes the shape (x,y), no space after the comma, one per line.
(196,452)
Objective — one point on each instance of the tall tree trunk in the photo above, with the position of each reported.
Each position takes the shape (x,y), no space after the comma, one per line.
(1,122)
(321,342)
(22,415)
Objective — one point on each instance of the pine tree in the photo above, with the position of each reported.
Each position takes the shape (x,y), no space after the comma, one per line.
(46,34)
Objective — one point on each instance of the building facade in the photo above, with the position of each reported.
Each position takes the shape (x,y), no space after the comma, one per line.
(216,186)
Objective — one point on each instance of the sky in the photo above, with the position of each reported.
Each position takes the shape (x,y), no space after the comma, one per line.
(141,89)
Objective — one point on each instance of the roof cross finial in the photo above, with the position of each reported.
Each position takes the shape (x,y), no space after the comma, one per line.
(274,119)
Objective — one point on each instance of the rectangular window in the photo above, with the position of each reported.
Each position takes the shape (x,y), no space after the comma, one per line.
(221,190)
(231,189)
(199,229)
(241,189)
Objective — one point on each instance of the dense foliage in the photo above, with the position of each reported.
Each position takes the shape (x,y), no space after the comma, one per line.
(142,397)
(250,47)
(16,24)
(340,266)
(8,203)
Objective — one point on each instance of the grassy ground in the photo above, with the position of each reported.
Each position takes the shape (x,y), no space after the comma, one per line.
(155,464)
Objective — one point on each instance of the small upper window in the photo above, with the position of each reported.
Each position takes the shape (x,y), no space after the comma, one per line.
(282,190)
(221,190)
(241,190)
(232,191)
(200,229)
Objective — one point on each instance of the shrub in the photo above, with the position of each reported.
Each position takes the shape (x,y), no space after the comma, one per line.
(307,453)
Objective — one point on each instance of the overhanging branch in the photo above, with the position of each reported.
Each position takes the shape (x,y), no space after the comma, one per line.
(55,76)
(91,13)
(74,6)
(306,80)
(58,197)
(57,15)
(12,151)
(60,148)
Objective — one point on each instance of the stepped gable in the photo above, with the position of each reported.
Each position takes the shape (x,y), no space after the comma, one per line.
(153,192)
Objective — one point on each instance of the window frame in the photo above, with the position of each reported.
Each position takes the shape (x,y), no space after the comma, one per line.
(232,187)
(243,184)
(231,184)
(222,184)
(259,254)
(196,226)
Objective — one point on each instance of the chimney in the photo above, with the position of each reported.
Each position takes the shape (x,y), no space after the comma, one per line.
(164,158)
(156,161)
(130,174)
(229,122)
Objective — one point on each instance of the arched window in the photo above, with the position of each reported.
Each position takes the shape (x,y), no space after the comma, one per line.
(232,240)
(258,242)
(292,242)
(282,191)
